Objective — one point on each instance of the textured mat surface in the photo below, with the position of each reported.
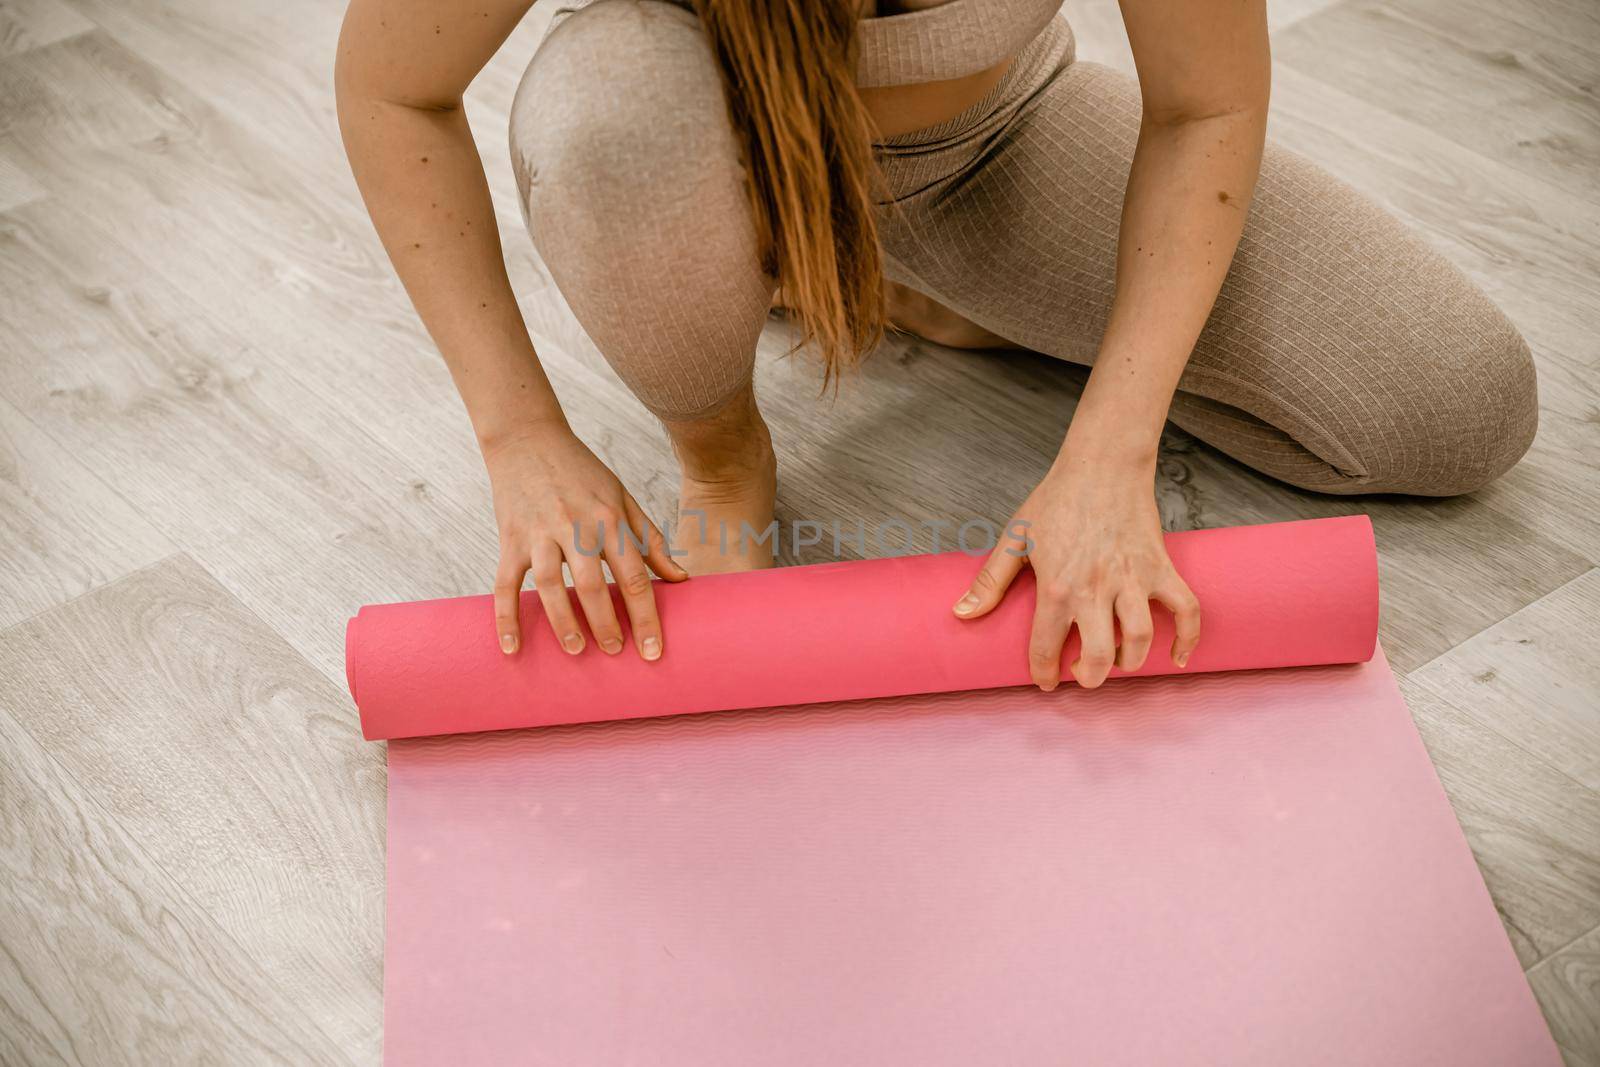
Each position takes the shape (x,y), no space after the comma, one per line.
(1250,868)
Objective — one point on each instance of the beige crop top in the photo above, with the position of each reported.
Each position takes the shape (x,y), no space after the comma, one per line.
(942,41)
(934,41)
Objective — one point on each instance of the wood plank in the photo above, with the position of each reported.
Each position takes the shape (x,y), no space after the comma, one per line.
(258,242)
(381,369)
(1535,678)
(1512,87)
(1535,832)
(286,51)
(65,530)
(103,959)
(26,24)
(1568,987)
(16,187)
(78,93)
(237,767)
(302,515)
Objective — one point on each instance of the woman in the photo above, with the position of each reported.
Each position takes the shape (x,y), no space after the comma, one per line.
(948,169)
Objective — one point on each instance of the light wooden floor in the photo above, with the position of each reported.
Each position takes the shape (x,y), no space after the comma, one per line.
(221,430)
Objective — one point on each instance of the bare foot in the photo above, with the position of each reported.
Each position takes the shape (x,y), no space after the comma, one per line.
(925,317)
(730,480)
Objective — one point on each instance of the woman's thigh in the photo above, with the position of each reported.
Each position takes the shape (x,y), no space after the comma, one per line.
(1342,355)
(634,194)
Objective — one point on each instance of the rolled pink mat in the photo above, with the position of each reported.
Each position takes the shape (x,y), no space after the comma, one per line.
(1288,594)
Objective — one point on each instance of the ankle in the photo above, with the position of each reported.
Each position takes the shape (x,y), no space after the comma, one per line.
(731,445)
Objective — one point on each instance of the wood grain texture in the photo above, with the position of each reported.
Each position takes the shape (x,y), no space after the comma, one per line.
(236,766)
(65,530)
(1525,76)
(1568,987)
(26,24)
(103,958)
(258,237)
(1535,678)
(1535,832)
(256,475)
(285,52)
(16,188)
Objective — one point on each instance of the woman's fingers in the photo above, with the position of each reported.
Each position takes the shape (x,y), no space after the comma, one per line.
(553,595)
(992,581)
(1133,620)
(1096,643)
(633,580)
(1051,621)
(594,595)
(656,551)
(1174,594)
(507,593)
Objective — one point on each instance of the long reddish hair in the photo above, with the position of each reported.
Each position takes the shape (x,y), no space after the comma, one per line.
(788,71)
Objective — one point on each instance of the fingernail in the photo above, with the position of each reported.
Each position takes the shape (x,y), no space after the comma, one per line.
(967,604)
(508,643)
(651,647)
(612,645)
(573,643)
(1183,659)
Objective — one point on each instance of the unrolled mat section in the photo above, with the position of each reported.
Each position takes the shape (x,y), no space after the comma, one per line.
(919,865)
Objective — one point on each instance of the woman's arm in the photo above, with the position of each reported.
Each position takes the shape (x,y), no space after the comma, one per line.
(1204,72)
(400,75)
(402,68)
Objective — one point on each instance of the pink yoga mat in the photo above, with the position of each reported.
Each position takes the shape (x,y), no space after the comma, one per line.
(1286,595)
(1245,867)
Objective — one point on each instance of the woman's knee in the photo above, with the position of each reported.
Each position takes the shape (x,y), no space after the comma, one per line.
(1454,405)
(634,194)
(620,121)
(1388,363)
(1505,416)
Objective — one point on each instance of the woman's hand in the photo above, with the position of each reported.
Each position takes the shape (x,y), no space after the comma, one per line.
(555,502)
(1098,557)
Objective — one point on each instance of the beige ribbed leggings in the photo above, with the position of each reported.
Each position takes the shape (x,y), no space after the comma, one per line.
(1343,355)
